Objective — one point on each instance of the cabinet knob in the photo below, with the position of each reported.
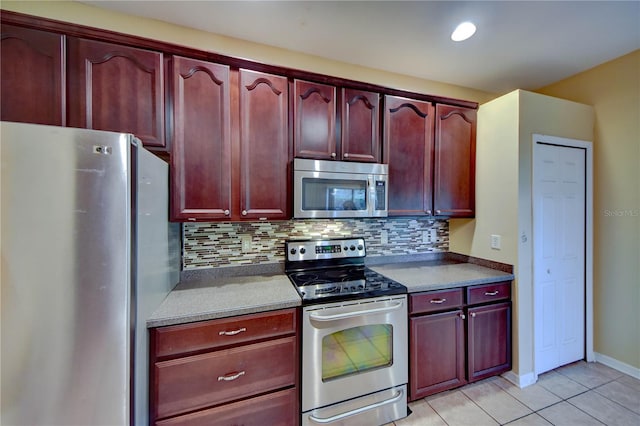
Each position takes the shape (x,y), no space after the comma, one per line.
(473,314)
(438,211)
(227,212)
(244,212)
(462,316)
(333,155)
(428,211)
(346,155)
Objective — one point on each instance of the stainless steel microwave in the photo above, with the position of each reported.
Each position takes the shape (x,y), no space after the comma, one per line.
(339,189)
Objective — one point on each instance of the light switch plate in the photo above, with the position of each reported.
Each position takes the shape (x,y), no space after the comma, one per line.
(246,243)
(384,237)
(495,241)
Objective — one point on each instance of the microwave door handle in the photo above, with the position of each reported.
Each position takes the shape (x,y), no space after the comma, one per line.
(372,195)
(336,317)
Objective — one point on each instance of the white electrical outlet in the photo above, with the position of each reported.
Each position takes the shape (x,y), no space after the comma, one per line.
(426,238)
(433,233)
(495,241)
(384,237)
(246,243)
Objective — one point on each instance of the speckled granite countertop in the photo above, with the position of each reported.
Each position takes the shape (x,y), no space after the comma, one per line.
(209,298)
(436,275)
(225,292)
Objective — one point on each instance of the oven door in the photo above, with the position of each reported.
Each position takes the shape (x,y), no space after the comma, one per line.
(352,349)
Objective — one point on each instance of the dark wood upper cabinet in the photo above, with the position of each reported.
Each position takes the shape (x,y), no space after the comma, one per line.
(117,88)
(264,145)
(360,126)
(314,115)
(454,162)
(199,93)
(408,142)
(33,76)
(230,147)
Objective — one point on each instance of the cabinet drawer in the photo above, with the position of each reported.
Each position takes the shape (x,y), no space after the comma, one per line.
(200,381)
(275,409)
(185,338)
(488,293)
(435,301)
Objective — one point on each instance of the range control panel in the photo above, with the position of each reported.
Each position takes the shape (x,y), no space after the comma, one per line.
(325,249)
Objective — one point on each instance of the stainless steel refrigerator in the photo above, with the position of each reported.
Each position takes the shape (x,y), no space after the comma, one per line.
(87,254)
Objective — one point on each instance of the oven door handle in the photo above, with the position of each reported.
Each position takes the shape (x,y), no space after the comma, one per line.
(335,317)
(341,416)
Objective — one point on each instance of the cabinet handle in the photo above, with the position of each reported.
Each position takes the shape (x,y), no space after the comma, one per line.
(473,314)
(231,333)
(491,293)
(230,377)
(244,212)
(438,211)
(227,212)
(437,301)
(428,211)
(333,155)
(462,316)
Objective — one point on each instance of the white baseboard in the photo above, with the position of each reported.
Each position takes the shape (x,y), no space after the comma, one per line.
(617,365)
(521,381)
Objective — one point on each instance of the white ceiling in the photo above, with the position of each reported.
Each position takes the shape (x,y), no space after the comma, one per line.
(519,44)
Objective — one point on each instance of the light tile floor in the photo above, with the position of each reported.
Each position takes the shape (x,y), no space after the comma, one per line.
(578,394)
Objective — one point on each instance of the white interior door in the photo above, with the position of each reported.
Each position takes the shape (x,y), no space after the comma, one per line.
(559,218)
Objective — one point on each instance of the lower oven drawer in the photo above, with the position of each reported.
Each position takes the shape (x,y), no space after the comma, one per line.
(378,408)
(274,409)
(205,380)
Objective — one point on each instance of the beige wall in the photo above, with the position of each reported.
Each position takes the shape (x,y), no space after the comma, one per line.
(94,17)
(505,132)
(614,91)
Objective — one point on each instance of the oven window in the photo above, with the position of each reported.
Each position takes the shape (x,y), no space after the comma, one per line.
(356,349)
(334,194)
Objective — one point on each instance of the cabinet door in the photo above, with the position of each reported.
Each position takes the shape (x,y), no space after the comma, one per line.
(314,117)
(264,146)
(32,74)
(360,126)
(437,353)
(408,143)
(489,340)
(117,88)
(201,143)
(455,159)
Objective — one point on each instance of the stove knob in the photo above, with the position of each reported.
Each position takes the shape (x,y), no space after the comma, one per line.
(346,248)
(352,248)
(293,251)
(303,250)
(360,247)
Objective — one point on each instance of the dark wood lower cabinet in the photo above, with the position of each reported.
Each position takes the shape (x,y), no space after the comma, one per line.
(489,340)
(438,340)
(232,371)
(455,341)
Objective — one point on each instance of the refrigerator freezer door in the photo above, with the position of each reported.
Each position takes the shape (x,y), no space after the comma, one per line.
(66,272)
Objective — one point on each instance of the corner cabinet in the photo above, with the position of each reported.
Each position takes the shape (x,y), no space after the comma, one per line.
(322,132)
(117,88)
(230,143)
(237,370)
(458,336)
(33,71)
(454,179)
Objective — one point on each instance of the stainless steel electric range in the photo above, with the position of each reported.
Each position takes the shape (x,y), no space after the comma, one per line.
(354,335)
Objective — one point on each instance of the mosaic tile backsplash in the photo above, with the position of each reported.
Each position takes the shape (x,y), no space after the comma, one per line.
(209,245)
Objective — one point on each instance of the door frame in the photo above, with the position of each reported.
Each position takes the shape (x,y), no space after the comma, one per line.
(588,147)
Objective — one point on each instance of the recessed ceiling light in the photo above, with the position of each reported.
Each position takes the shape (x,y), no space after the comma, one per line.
(463,31)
